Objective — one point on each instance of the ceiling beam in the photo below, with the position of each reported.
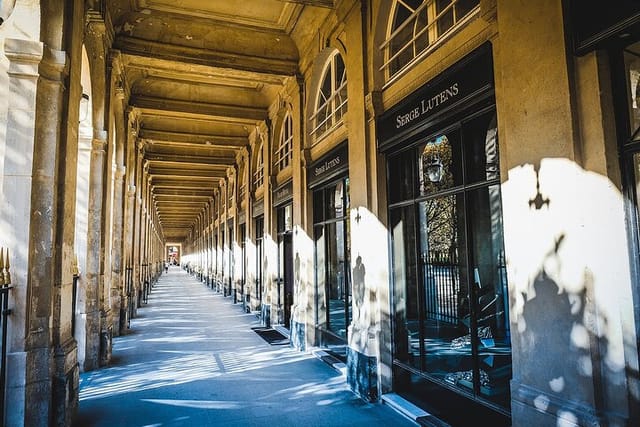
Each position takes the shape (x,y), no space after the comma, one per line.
(189,159)
(317,3)
(273,66)
(213,141)
(192,107)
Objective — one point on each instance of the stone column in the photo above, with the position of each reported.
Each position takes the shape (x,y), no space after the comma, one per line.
(42,224)
(369,263)
(302,311)
(117,285)
(270,246)
(18,188)
(129,218)
(94,235)
(98,342)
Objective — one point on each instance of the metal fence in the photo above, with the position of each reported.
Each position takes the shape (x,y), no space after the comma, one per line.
(5,287)
(442,286)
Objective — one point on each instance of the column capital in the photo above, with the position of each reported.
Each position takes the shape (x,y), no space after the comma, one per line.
(373,105)
(54,64)
(119,89)
(120,172)
(98,145)
(24,57)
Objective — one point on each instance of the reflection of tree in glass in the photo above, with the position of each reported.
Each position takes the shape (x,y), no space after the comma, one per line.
(440,212)
(441,223)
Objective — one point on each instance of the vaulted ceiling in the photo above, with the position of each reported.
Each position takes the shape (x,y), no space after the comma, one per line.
(201,75)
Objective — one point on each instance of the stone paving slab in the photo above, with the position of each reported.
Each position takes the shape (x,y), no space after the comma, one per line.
(191,359)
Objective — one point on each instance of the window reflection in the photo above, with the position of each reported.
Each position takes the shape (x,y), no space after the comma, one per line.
(632,64)
(450,287)
(439,163)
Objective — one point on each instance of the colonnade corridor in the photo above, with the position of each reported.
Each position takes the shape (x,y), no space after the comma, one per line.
(192,359)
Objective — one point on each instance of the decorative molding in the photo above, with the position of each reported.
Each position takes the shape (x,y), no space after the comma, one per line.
(373,105)
(98,145)
(489,10)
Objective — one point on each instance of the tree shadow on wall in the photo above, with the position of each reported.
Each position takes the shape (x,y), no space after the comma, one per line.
(564,347)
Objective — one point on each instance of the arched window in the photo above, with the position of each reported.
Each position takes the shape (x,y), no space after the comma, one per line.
(416,25)
(285,149)
(258,175)
(331,103)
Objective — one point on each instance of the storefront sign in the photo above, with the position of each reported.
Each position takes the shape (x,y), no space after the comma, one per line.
(283,193)
(466,79)
(329,166)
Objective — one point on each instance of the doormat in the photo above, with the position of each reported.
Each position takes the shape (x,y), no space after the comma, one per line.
(271,336)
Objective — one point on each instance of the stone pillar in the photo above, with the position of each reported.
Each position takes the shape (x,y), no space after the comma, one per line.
(369,263)
(117,283)
(129,214)
(269,242)
(564,227)
(44,209)
(93,291)
(98,340)
(248,229)
(25,380)
(302,318)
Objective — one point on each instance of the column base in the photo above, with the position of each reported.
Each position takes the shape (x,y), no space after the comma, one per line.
(298,336)
(106,340)
(265,315)
(66,384)
(16,390)
(362,375)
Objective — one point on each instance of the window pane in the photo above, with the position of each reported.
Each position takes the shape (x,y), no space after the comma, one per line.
(463,7)
(632,63)
(321,276)
(402,37)
(439,163)
(490,294)
(337,290)
(330,202)
(447,310)
(401,177)
(318,206)
(407,339)
(445,15)
(480,139)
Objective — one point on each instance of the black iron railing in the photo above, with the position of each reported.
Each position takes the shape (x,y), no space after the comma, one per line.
(128,283)
(5,287)
(442,286)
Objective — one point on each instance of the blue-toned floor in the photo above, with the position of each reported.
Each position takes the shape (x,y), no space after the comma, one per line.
(191,359)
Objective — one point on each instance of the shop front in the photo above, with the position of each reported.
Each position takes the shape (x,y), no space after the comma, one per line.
(449,298)
(616,31)
(258,226)
(242,241)
(329,181)
(283,202)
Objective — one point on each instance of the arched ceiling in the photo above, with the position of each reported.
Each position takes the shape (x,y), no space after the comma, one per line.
(201,75)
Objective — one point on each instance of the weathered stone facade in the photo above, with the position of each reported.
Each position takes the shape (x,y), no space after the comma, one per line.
(129,126)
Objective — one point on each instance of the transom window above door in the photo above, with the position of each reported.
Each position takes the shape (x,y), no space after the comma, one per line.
(415,27)
(331,101)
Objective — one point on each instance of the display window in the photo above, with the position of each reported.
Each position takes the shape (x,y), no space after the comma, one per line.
(285,264)
(332,247)
(259,230)
(450,300)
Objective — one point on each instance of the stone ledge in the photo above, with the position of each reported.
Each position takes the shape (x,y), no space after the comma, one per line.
(411,411)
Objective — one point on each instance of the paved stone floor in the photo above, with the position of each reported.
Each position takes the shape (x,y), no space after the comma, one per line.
(191,359)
